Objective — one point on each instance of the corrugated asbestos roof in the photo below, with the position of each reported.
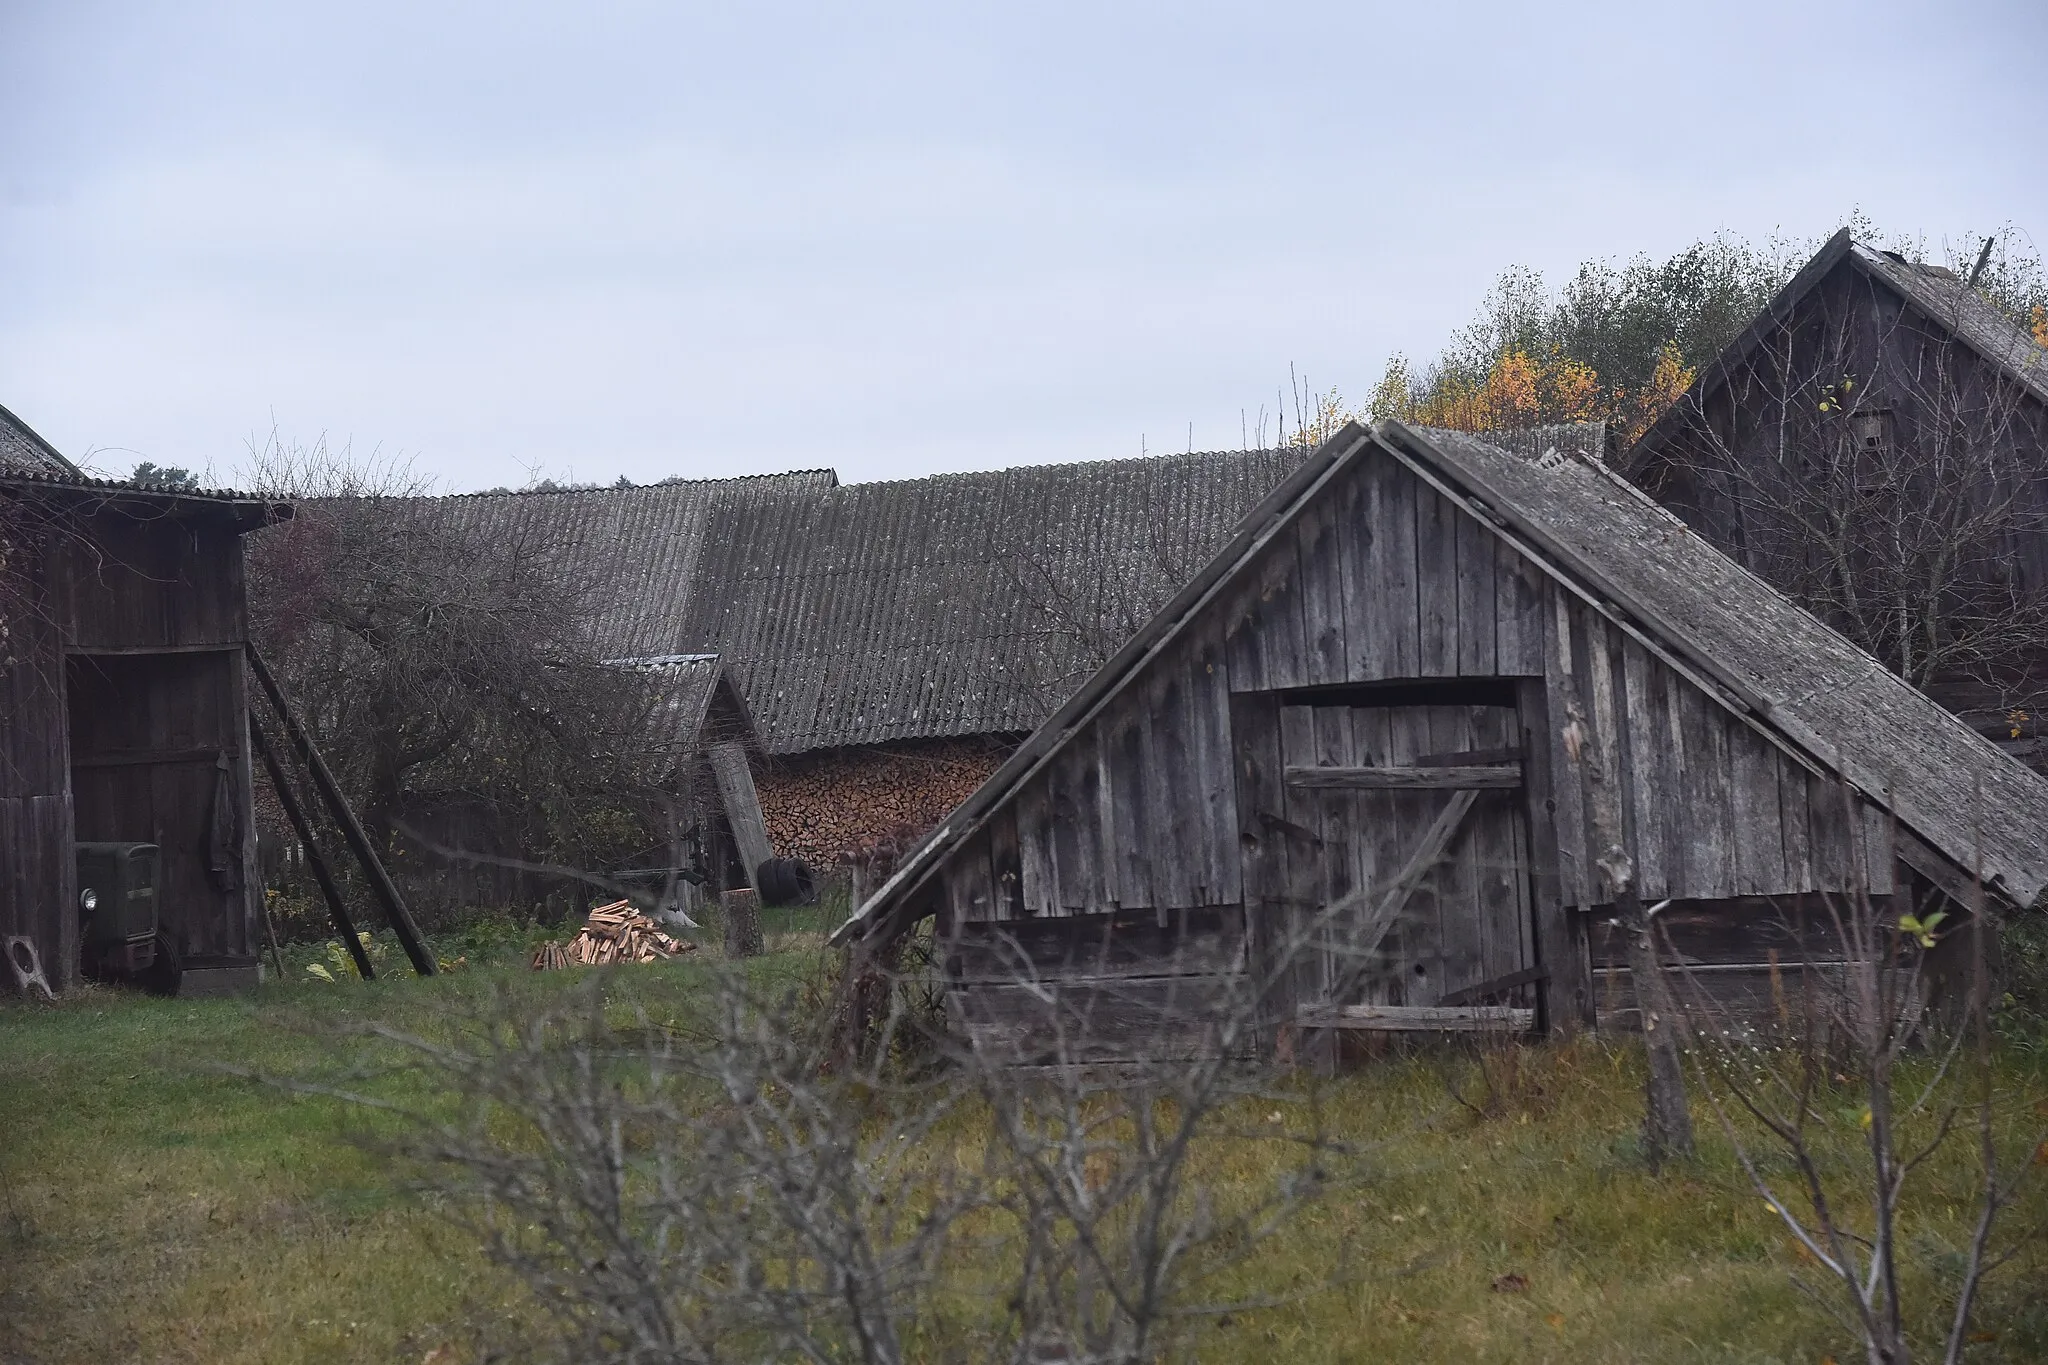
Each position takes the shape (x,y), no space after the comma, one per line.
(1593,530)
(643,544)
(961,604)
(677,690)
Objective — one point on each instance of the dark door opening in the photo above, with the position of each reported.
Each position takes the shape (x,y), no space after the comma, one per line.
(155,760)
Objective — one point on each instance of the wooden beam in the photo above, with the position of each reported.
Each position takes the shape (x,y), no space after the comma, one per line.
(1421,1018)
(1566,1002)
(1500,985)
(1471,758)
(1389,903)
(1407,779)
(1954,882)
(351,828)
(139,758)
(742,806)
(337,909)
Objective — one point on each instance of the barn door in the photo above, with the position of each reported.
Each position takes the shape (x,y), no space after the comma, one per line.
(1399,860)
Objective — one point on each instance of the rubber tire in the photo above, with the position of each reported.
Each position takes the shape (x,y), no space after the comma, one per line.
(776,882)
(786,881)
(167,973)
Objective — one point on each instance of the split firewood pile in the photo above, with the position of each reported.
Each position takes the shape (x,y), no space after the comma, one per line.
(818,809)
(613,933)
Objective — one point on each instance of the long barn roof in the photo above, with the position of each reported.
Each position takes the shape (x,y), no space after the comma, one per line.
(956,605)
(962,604)
(1772,661)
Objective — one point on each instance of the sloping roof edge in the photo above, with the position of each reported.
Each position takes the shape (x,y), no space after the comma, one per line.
(1871,263)
(1735,352)
(1559,561)
(1777,722)
(35,438)
(1272,515)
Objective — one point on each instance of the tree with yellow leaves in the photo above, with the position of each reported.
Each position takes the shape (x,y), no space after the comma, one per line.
(1621,344)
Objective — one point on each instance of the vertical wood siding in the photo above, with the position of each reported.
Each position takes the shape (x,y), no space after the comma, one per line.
(1170,800)
(1710,809)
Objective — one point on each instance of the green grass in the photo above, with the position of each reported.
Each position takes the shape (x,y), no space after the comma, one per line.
(155,1209)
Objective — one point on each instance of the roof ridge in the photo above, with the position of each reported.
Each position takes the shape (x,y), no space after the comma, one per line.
(1122,461)
(637,487)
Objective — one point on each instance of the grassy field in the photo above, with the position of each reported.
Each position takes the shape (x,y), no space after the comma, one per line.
(155,1209)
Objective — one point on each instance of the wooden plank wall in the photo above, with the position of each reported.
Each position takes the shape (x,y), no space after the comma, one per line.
(1709,809)
(1099,987)
(167,583)
(145,730)
(1382,579)
(36,868)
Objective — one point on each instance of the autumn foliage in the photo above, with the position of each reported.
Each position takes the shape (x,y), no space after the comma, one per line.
(1621,343)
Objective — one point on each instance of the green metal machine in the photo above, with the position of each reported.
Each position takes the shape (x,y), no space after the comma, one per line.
(120,936)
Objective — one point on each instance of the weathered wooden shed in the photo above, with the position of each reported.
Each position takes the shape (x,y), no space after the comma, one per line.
(1432,672)
(123,715)
(1876,436)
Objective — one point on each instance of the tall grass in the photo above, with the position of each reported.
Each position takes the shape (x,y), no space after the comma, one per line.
(153,1208)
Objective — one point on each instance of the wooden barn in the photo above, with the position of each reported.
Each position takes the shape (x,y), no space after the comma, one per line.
(1368,764)
(123,714)
(1872,444)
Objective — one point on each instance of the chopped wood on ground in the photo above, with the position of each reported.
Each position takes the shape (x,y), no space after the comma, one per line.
(613,933)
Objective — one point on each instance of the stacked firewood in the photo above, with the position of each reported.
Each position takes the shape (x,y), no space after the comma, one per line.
(821,808)
(613,933)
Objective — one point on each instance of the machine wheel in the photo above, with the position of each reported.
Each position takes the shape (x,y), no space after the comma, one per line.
(785,881)
(167,972)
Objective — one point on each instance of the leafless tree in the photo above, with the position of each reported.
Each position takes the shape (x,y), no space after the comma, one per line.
(440,658)
(1075,613)
(1877,469)
(1879,1058)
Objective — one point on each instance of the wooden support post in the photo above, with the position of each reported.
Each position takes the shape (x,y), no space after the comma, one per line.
(1566,1001)
(351,828)
(742,913)
(337,909)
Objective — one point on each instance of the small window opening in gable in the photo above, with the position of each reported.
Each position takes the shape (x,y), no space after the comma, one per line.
(1870,431)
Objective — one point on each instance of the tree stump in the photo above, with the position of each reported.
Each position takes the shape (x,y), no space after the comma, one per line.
(742,913)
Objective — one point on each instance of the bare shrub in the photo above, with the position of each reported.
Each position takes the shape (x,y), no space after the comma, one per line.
(1876,1064)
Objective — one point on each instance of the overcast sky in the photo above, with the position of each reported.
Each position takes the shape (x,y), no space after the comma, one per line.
(668,239)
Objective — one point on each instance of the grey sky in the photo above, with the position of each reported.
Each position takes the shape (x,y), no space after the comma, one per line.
(665,239)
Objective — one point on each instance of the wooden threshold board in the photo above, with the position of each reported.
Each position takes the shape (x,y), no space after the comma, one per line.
(1420,1018)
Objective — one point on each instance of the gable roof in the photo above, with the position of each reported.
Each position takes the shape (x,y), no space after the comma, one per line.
(22,451)
(1770,661)
(678,691)
(1937,293)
